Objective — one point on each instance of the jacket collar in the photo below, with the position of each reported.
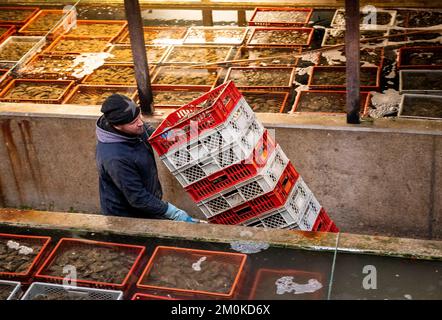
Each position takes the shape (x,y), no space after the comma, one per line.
(107,134)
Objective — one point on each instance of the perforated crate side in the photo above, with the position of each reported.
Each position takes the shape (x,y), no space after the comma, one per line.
(207,112)
(262,204)
(40,288)
(266,181)
(234,129)
(219,159)
(323,222)
(235,173)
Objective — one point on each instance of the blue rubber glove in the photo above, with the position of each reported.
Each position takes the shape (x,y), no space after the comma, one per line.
(173,213)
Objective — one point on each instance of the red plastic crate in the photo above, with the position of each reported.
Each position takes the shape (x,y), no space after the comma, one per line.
(235,173)
(31,12)
(364,103)
(375,71)
(405,51)
(7,31)
(324,223)
(333,228)
(26,275)
(309,12)
(68,243)
(205,113)
(310,32)
(286,85)
(264,203)
(271,276)
(237,260)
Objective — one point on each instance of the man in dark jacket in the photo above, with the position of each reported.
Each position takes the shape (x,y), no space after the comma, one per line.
(129,184)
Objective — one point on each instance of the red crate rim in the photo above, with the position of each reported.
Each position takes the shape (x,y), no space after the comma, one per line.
(402,51)
(199,252)
(51,258)
(37,257)
(178,118)
(136,296)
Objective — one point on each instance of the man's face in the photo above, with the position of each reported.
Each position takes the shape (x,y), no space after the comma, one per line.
(133,128)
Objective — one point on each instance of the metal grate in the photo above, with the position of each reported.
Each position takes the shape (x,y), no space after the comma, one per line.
(251,190)
(193,173)
(274,221)
(218,204)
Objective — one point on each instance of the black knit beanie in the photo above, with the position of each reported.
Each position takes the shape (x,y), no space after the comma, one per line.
(119,109)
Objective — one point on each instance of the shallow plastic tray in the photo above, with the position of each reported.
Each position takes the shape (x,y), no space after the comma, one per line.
(68,243)
(31,12)
(116,47)
(180,71)
(52,49)
(375,71)
(117,33)
(421,81)
(169,59)
(277,52)
(129,91)
(280,97)
(405,52)
(192,36)
(238,260)
(416,100)
(15,288)
(66,21)
(41,288)
(39,43)
(341,23)
(252,42)
(264,70)
(68,84)
(163,35)
(300,23)
(26,275)
(365,101)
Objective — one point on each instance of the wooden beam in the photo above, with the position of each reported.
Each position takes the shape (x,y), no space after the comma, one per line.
(135,24)
(207,18)
(352,60)
(242,20)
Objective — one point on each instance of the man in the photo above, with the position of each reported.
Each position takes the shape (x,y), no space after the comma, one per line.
(129,184)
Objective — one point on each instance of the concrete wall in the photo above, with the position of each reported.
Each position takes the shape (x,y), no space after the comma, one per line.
(372,179)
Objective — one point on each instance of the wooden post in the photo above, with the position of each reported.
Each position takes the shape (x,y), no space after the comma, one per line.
(242,20)
(207,18)
(352,56)
(135,23)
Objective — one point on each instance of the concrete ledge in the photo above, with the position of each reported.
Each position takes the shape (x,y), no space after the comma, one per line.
(343,242)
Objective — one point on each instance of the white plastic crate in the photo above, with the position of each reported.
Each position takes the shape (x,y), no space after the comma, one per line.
(265,181)
(219,159)
(232,130)
(299,212)
(339,22)
(36,42)
(14,289)
(38,288)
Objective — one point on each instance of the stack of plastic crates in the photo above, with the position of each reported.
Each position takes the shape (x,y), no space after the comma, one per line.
(232,167)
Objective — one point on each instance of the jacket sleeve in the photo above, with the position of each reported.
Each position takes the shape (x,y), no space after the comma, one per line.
(149,129)
(128,180)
